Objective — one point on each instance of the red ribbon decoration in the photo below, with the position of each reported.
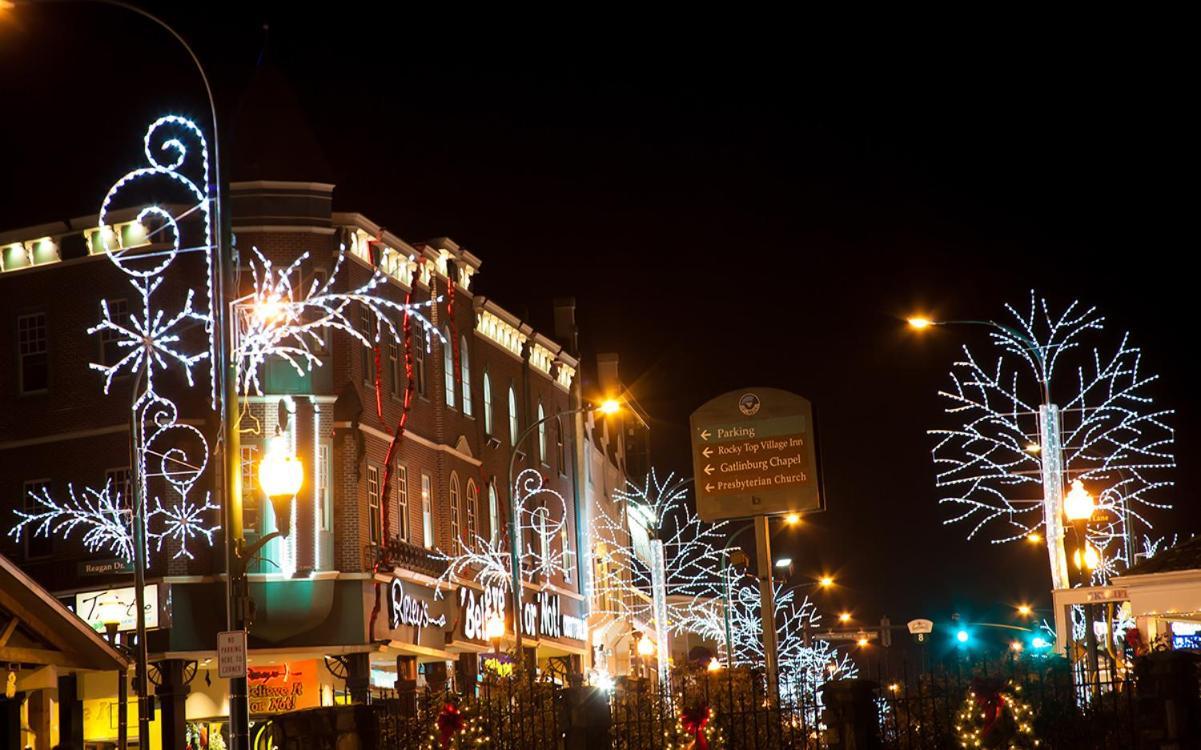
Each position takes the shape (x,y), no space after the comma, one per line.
(694,721)
(450,723)
(989,701)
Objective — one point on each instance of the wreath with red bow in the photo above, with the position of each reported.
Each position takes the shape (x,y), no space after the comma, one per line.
(696,727)
(994,715)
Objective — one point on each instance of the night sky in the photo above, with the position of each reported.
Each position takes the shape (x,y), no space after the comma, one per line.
(731,205)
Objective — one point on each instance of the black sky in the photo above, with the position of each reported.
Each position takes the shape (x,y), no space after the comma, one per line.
(731,204)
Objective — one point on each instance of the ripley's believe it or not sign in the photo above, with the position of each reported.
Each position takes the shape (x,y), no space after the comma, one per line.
(542,615)
(754,454)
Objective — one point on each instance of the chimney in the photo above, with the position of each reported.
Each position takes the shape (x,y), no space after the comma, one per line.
(606,372)
(565,330)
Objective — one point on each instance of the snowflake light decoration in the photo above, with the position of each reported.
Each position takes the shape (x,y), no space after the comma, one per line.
(101,515)
(1028,428)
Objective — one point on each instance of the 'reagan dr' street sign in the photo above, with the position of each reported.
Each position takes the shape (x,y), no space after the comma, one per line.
(753,453)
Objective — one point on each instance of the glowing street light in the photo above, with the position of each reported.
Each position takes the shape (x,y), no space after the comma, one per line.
(281,475)
(919,322)
(714,665)
(1016,647)
(792,519)
(825,582)
(845,617)
(783,562)
(1078,505)
(609,406)
(1025,610)
(646,647)
(1088,558)
(1034,537)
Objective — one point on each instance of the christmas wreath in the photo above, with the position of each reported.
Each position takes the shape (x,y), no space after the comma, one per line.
(994,715)
(457,726)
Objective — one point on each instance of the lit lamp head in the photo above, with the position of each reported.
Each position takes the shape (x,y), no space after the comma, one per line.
(494,629)
(919,322)
(826,582)
(609,406)
(1088,558)
(646,647)
(281,475)
(1078,505)
(111,611)
(714,665)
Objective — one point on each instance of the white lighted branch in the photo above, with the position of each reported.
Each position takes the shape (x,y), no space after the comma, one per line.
(1113,438)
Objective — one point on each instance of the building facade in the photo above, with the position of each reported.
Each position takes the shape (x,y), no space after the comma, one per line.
(355,598)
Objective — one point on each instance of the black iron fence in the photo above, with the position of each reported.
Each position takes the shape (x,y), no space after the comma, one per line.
(1011,703)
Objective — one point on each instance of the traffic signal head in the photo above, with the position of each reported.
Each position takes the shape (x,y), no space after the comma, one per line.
(962,636)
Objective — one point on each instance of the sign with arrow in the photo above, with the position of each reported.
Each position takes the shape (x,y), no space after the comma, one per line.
(754,454)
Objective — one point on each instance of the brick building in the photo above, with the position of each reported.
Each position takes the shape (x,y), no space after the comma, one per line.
(348,601)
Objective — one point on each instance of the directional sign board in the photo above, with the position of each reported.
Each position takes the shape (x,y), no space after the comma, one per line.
(846,635)
(753,454)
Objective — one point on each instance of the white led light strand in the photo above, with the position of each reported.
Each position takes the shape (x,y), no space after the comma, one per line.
(1106,433)
(105,522)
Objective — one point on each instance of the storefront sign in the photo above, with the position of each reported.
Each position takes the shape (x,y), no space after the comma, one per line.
(404,609)
(574,628)
(476,608)
(86,606)
(282,687)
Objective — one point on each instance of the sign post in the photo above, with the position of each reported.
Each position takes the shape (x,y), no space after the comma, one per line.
(754,456)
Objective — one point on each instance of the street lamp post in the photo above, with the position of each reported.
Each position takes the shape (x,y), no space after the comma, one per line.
(1050,444)
(111,611)
(607,407)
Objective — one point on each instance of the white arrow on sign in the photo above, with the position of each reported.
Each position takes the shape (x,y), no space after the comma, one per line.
(709,487)
(705,435)
(709,469)
(707,452)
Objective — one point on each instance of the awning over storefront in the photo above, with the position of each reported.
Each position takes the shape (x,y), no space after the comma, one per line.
(36,630)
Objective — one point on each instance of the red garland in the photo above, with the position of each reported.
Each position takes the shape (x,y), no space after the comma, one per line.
(694,721)
(454,329)
(450,723)
(379,399)
(407,329)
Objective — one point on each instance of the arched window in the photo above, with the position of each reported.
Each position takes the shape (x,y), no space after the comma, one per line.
(448,367)
(493,514)
(541,434)
(473,511)
(465,375)
(487,403)
(562,449)
(454,511)
(419,344)
(514,423)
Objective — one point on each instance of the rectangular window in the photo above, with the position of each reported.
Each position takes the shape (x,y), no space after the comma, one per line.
(568,556)
(402,501)
(419,344)
(395,374)
(562,446)
(120,488)
(37,543)
(110,351)
(373,515)
(250,491)
(32,350)
(324,496)
(427,511)
(366,353)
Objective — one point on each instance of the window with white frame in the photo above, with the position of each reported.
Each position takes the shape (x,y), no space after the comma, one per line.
(493,513)
(419,345)
(111,351)
(395,374)
(366,353)
(325,498)
(514,421)
(448,367)
(561,448)
(33,352)
(427,510)
(473,511)
(455,542)
(541,434)
(487,403)
(120,487)
(373,506)
(250,491)
(465,375)
(568,555)
(402,501)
